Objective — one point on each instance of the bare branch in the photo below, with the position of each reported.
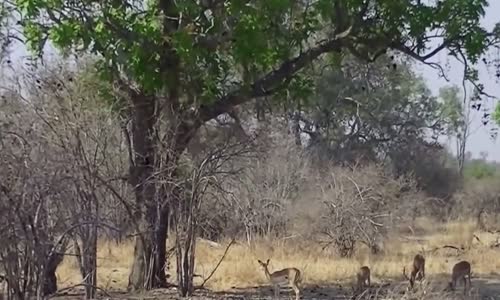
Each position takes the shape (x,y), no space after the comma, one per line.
(202,285)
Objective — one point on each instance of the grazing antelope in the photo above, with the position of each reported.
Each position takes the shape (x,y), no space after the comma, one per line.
(290,276)
(461,270)
(363,276)
(418,270)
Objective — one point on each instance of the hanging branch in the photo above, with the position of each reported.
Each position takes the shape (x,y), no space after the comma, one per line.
(233,240)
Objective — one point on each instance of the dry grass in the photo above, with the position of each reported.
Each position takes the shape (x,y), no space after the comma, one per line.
(240,268)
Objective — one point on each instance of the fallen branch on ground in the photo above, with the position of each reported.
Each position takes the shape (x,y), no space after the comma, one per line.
(61,291)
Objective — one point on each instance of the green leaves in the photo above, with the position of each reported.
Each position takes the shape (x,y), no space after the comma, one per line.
(34,36)
(30,7)
(496,114)
(372,108)
(65,33)
(302,87)
(452,108)
(479,169)
(277,5)
(209,46)
(475,44)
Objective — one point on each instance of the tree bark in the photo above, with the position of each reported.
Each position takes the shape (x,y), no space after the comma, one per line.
(150,256)
(153,196)
(86,255)
(145,273)
(50,278)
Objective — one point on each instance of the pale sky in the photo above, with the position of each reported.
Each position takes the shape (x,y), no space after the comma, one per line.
(479,139)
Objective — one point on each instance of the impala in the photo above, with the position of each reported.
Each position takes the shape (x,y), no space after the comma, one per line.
(418,270)
(289,276)
(461,270)
(363,277)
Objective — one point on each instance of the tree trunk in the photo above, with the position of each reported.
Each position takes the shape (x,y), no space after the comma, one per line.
(50,279)
(145,273)
(148,270)
(90,261)
(153,195)
(53,260)
(186,247)
(87,258)
(150,256)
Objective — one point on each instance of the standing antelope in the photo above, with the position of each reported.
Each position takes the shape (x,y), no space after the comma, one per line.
(290,276)
(363,277)
(461,270)
(418,270)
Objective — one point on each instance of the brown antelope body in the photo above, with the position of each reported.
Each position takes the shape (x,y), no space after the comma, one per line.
(461,270)
(418,270)
(289,276)
(363,277)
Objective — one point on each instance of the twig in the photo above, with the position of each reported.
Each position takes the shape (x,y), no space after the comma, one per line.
(461,249)
(357,188)
(477,238)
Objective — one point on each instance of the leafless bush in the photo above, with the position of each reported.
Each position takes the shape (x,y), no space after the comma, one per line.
(205,180)
(360,205)
(259,199)
(480,199)
(281,195)
(31,221)
(62,152)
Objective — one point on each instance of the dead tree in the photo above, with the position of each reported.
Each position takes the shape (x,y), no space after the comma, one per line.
(207,176)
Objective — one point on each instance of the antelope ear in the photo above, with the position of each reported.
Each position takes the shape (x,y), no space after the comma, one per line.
(267,261)
(259,261)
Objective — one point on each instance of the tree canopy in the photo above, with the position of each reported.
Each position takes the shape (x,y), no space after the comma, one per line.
(374,106)
(209,40)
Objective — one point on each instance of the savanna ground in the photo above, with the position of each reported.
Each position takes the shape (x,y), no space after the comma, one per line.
(325,275)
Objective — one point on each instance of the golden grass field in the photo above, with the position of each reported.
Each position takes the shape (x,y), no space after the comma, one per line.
(240,268)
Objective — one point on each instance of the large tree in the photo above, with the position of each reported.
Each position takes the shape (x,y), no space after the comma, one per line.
(369,109)
(458,110)
(180,64)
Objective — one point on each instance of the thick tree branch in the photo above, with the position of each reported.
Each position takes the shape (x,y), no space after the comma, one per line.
(409,52)
(266,84)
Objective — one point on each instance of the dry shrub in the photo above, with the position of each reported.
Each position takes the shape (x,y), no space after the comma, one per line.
(361,205)
(61,151)
(281,195)
(258,200)
(480,199)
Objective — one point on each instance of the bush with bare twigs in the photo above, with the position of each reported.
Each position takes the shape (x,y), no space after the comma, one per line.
(480,199)
(259,200)
(360,205)
(60,152)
